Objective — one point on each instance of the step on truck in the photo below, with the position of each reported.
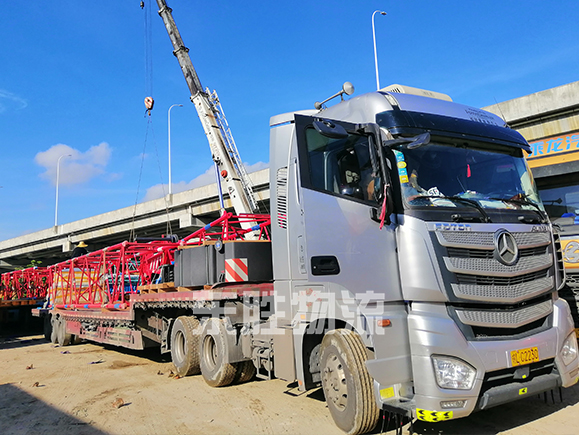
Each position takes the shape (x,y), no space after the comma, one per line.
(411,269)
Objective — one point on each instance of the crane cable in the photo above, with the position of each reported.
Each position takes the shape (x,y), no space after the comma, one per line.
(148,35)
(149,104)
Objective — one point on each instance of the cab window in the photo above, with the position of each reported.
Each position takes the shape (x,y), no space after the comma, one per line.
(339,166)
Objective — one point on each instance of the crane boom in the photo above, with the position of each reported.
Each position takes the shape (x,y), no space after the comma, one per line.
(223,148)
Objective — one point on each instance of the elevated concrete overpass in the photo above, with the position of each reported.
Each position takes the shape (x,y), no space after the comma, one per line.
(181,213)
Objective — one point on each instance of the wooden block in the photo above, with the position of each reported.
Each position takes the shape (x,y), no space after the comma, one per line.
(189,289)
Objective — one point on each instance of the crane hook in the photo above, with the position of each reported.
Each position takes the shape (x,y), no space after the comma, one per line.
(149,103)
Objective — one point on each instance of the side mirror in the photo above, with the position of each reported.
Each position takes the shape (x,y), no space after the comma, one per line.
(329,129)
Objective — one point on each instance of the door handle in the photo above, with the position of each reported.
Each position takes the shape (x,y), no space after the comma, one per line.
(325,265)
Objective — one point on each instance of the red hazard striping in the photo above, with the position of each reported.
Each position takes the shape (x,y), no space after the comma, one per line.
(234,276)
(230,268)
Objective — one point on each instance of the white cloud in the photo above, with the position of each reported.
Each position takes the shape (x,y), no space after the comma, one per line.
(208,177)
(76,167)
(8,99)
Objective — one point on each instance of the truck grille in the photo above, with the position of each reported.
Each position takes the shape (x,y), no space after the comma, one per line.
(507,318)
(464,279)
(493,267)
(479,278)
(499,289)
(481,240)
(480,253)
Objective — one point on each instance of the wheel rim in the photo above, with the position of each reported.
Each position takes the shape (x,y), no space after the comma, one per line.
(335,384)
(180,346)
(210,352)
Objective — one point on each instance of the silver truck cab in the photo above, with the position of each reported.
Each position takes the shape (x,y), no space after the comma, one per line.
(411,227)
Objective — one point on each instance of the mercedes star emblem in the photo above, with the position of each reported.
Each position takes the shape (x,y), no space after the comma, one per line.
(506,249)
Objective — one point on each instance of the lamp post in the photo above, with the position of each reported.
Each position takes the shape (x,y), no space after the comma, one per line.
(57,181)
(169,141)
(375,53)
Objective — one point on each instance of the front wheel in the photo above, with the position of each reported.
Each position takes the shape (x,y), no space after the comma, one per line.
(346,382)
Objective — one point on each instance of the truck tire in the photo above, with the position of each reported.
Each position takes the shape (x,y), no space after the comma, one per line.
(213,351)
(47,321)
(244,372)
(62,337)
(185,346)
(54,328)
(346,383)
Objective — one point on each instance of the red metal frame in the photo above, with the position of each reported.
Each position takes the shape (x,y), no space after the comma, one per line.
(228,227)
(106,278)
(31,283)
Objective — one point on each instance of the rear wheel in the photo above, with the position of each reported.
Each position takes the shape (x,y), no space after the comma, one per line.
(244,372)
(62,337)
(185,346)
(53,328)
(215,369)
(346,382)
(47,327)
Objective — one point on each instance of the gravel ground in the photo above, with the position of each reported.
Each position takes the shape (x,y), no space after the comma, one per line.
(94,389)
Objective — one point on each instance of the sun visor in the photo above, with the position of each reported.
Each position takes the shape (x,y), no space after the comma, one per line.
(415,103)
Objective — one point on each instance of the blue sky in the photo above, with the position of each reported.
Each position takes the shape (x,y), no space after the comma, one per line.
(73,76)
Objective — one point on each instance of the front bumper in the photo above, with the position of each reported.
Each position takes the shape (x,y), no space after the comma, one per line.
(497,381)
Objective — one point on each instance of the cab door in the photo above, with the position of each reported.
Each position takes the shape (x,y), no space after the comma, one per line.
(344,246)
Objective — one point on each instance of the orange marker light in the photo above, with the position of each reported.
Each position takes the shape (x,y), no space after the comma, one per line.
(384,323)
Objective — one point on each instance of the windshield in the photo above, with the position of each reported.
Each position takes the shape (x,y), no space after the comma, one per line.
(440,175)
(562,204)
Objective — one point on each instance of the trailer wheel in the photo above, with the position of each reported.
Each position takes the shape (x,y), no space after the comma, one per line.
(346,383)
(214,368)
(54,328)
(47,320)
(244,371)
(62,337)
(185,346)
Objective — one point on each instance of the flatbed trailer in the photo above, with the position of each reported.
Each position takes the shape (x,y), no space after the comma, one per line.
(129,326)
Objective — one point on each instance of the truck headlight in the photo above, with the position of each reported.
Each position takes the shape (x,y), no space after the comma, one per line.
(569,349)
(453,373)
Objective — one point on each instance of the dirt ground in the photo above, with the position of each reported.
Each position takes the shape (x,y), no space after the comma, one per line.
(94,389)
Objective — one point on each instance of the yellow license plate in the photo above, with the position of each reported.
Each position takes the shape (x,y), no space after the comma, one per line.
(524,356)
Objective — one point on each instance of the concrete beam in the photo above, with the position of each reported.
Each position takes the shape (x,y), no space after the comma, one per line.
(539,104)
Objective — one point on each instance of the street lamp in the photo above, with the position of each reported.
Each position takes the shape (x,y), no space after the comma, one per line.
(169,128)
(57,180)
(375,54)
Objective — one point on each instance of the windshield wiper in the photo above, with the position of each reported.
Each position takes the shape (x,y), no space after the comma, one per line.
(471,202)
(524,201)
